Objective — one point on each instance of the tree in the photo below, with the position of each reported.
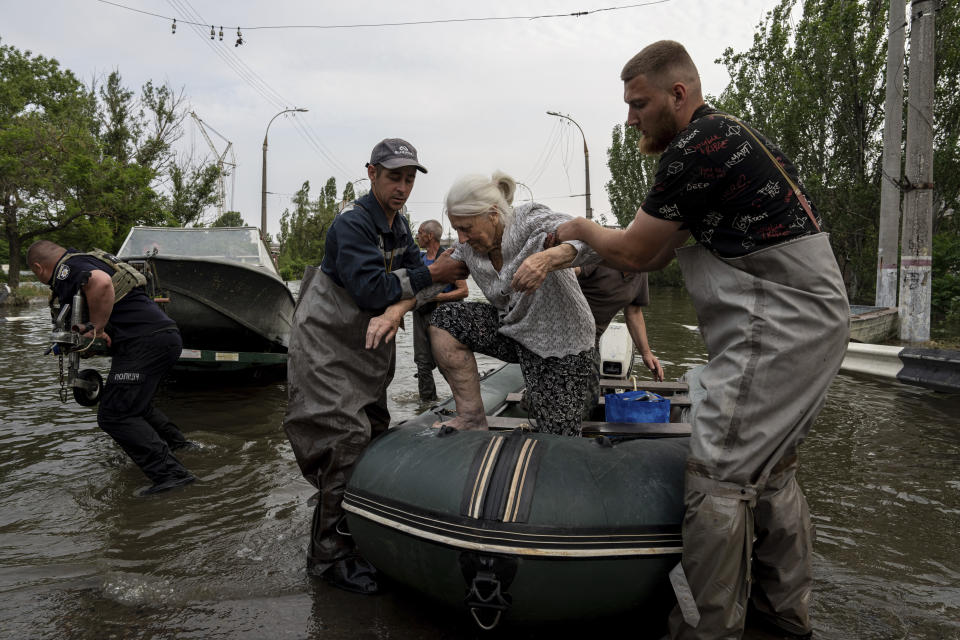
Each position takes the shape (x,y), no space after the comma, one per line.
(631,177)
(946,131)
(82,165)
(303,231)
(816,86)
(349,195)
(48,150)
(192,191)
(631,173)
(229,219)
(137,135)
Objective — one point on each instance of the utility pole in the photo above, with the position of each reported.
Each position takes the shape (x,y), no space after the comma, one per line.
(916,244)
(586,159)
(890,195)
(263,179)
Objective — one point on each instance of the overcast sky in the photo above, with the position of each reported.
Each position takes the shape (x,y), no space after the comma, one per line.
(470,96)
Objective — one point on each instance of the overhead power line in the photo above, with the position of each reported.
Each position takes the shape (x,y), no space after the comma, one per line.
(366,25)
(255,81)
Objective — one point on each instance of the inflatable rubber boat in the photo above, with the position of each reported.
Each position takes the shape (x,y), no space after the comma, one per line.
(513,525)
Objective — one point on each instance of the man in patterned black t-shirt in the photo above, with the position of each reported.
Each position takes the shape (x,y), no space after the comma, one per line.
(773,313)
(717,178)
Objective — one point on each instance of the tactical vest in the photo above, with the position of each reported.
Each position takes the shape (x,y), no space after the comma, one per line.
(125,277)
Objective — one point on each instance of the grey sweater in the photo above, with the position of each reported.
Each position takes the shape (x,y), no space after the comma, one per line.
(554,320)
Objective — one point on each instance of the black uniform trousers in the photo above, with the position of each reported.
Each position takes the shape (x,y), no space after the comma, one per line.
(126,409)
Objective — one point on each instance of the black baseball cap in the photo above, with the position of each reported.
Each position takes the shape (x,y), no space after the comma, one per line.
(393,153)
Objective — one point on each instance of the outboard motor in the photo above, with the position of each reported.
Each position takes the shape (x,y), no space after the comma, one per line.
(616,351)
(86,383)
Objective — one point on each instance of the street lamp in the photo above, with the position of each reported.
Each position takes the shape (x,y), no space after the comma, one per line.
(263,182)
(343,204)
(529,190)
(586,159)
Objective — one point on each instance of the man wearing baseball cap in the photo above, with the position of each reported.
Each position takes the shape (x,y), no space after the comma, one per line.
(341,354)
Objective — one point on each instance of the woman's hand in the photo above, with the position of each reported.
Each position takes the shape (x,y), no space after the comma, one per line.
(532,272)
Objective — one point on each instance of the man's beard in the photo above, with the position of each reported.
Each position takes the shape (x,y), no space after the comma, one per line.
(659,134)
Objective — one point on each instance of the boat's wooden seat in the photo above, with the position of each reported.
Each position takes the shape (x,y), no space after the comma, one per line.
(647,429)
(663,388)
(675,401)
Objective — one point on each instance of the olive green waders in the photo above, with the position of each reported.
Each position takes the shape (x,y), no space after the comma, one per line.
(337,403)
(775,323)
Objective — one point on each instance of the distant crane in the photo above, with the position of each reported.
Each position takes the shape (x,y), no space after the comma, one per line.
(225,168)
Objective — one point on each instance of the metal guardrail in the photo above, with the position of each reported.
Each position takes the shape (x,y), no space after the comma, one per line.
(937,369)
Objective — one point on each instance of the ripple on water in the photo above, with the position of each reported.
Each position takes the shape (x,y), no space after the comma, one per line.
(224,558)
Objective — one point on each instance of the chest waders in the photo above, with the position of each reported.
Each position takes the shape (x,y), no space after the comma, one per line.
(337,403)
(775,323)
(68,340)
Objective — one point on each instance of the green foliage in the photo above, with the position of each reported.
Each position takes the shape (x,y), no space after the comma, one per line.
(669,276)
(19,297)
(47,147)
(348,193)
(81,165)
(192,191)
(229,219)
(86,233)
(631,174)
(631,177)
(816,86)
(303,231)
(946,275)
(946,110)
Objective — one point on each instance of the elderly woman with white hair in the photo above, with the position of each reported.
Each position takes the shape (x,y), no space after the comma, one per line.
(536,315)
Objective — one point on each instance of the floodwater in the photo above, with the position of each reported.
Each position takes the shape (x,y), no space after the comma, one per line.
(81,557)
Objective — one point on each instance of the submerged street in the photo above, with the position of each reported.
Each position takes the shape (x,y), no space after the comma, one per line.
(81,557)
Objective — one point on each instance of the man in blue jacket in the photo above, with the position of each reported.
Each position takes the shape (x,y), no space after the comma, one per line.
(341,352)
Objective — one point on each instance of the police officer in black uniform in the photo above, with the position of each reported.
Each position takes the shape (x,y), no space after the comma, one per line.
(145,344)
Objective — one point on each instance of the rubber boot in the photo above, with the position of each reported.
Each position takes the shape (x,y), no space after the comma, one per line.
(353,574)
(428,388)
(166,485)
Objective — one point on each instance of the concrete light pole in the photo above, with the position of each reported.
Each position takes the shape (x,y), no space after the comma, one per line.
(916,251)
(888,241)
(263,181)
(586,159)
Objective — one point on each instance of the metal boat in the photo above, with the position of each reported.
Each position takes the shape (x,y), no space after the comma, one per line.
(218,284)
(873,324)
